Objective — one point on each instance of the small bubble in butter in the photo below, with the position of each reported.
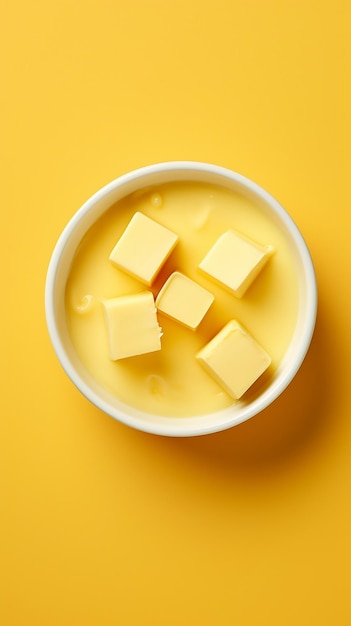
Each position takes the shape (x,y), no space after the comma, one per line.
(156,200)
(156,385)
(85,305)
(201,216)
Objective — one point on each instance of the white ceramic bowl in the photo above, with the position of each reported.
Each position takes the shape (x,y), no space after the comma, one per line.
(59,269)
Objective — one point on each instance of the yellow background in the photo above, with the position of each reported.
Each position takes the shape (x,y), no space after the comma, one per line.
(102,525)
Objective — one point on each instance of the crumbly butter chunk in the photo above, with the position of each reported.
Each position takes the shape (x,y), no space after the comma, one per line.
(234,359)
(184,300)
(132,325)
(235,261)
(143,248)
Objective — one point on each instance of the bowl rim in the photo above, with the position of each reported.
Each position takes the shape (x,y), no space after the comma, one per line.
(192,425)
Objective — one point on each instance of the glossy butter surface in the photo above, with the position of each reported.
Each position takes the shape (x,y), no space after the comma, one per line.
(235,261)
(234,359)
(184,300)
(131,325)
(143,247)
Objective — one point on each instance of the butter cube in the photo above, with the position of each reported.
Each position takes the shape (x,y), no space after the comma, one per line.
(132,325)
(234,359)
(184,300)
(235,261)
(143,248)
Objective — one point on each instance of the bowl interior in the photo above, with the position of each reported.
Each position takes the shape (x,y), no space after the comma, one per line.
(59,270)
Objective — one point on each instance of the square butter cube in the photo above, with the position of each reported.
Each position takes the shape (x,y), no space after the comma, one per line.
(132,325)
(184,300)
(235,261)
(234,359)
(143,248)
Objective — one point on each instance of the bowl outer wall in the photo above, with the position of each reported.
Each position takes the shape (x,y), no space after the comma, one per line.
(63,255)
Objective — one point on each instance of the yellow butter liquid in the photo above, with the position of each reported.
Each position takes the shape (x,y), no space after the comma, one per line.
(171,381)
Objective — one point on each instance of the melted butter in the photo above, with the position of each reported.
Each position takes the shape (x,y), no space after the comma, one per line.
(171,381)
